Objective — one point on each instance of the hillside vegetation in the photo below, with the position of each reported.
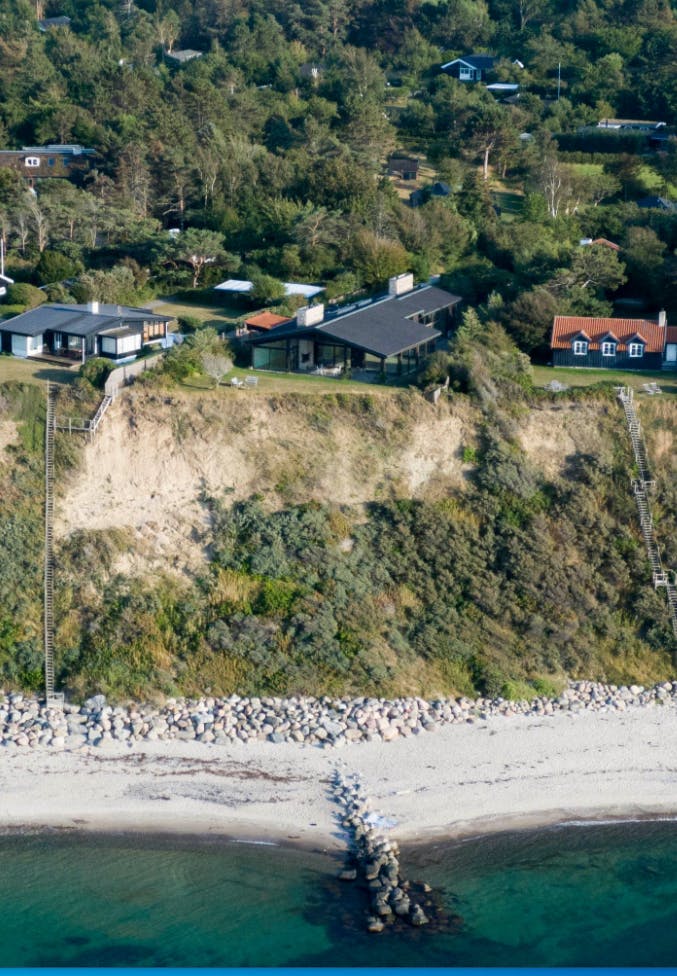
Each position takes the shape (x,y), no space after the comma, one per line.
(340,543)
(266,156)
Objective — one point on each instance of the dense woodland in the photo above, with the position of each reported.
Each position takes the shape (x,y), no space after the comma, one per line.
(273,173)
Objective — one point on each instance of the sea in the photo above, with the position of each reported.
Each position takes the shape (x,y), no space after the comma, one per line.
(580,894)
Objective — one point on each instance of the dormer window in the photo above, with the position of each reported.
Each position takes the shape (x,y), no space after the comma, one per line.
(33,162)
(580,347)
(635,350)
(608,348)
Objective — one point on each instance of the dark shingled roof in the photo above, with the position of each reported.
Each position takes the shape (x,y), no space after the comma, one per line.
(77,320)
(383,327)
(482,62)
(47,22)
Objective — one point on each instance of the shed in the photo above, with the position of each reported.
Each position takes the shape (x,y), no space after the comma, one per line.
(406,167)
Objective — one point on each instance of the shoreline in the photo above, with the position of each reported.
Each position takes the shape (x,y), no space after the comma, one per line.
(457,782)
(472,831)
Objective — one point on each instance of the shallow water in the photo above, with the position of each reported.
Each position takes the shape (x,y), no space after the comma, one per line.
(565,896)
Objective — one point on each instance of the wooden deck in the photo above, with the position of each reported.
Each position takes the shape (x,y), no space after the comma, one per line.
(66,362)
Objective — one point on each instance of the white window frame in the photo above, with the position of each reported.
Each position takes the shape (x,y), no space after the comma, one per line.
(608,348)
(580,347)
(635,350)
(33,162)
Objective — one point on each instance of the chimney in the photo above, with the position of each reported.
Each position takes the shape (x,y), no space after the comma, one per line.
(310,314)
(662,318)
(400,284)
(94,308)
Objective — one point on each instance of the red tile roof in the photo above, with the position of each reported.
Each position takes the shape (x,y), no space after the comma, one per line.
(671,333)
(566,328)
(606,243)
(265,321)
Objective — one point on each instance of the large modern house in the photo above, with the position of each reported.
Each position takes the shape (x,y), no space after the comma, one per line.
(78,332)
(603,343)
(388,334)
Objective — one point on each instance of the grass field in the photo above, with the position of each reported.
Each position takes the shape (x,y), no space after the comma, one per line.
(507,195)
(510,203)
(588,169)
(589,377)
(224,317)
(31,371)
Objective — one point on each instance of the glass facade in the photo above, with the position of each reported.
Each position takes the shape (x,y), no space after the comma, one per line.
(331,354)
(271,356)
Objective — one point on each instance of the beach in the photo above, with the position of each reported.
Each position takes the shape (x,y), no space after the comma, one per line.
(455,780)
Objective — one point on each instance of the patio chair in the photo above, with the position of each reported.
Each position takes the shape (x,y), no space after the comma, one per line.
(251,381)
(237,382)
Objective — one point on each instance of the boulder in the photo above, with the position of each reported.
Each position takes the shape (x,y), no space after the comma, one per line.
(418,916)
(374,924)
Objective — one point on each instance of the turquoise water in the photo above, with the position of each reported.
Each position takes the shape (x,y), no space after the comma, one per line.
(576,895)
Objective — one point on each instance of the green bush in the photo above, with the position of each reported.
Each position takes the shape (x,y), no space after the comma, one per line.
(53,266)
(96,371)
(25,295)
(188,324)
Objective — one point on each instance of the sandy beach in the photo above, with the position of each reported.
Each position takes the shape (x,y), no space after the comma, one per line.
(463,779)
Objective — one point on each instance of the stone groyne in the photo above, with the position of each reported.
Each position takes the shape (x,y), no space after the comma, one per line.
(374,860)
(329,722)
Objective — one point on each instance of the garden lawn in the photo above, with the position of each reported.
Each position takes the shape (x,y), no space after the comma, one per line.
(572,376)
(13,369)
(223,318)
(270,383)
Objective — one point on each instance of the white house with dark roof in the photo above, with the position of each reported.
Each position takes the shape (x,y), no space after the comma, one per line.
(471,67)
(78,332)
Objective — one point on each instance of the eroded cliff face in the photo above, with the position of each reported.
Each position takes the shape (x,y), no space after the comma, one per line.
(157,457)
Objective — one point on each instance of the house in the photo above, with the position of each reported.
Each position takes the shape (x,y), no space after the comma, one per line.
(472,67)
(503,89)
(53,161)
(657,203)
(438,189)
(389,334)
(80,331)
(263,322)
(183,57)
(631,125)
(601,242)
(51,23)
(235,286)
(406,167)
(608,343)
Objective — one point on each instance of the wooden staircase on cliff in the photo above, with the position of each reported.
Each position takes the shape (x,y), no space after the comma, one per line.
(643,486)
